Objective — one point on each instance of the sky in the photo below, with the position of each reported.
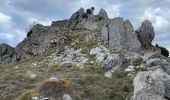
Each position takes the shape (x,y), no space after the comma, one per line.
(17,15)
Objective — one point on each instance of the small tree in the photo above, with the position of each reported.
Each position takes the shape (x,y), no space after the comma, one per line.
(88,11)
(164,51)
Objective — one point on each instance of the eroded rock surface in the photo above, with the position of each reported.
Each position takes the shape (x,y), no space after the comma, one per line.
(146,33)
(6,53)
(82,19)
(151,85)
(40,40)
(120,34)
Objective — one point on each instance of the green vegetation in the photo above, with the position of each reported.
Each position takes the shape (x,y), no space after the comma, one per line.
(164,51)
(93,68)
(29,33)
(137,62)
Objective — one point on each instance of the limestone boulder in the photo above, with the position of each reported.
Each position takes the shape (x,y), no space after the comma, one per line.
(120,34)
(146,33)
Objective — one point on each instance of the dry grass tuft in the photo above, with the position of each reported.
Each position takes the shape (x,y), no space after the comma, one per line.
(54,88)
(28,95)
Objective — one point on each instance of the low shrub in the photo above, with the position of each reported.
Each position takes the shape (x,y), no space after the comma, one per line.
(54,88)
(93,68)
(137,62)
(29,33)
(164,51)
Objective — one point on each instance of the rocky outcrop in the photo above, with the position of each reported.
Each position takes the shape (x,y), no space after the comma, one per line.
(107,61)
(120,34)
(6,53)
(151,85)
(146,33)
(59,24)
(82,19)
(40,40)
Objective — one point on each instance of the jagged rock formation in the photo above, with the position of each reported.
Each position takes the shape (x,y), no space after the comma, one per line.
(120,34)
(146,33)
(6,53)
(41,39)
(81,19)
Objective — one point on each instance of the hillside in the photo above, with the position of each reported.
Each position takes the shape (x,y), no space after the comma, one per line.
(87,57)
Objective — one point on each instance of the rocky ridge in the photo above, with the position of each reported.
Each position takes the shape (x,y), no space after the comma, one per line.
(94,40)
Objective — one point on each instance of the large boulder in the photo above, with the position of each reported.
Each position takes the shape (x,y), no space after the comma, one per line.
(146,33)
(40,40)
(120,34)
(151,85)
(6,53)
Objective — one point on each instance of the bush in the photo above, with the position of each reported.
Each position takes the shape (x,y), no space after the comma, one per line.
(28,95)
(94,68)
(92,8)
(29,33)
(164,51)
(88,11)
(137,62)
(29,29)
(54,88)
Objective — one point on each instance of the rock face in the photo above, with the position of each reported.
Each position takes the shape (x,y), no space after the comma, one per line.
(41,39)
(120,34)
(146,33)
(82,19)
(108,62)
(6,53)
(151,85)
(59,24)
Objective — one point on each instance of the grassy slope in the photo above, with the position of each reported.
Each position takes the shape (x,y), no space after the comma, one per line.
(85,84)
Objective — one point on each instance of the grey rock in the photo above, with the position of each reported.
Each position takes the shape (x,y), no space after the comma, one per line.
(120,34)
(67,97)
(167,88)
(75,19)
(66,64)
(41,39)
(151,55)
(112,60)
(69,57)
(149,86)
(103,14)
(146,33)
(6,53)
(83,20)
(59,24)
(167,69)
(153,62)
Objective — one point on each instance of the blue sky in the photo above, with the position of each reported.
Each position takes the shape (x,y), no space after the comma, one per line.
(17,15)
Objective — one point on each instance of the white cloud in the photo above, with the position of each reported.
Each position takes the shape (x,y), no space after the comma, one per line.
(4,18)
(113,10)
(7,36)
(43,22)
(156,16)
